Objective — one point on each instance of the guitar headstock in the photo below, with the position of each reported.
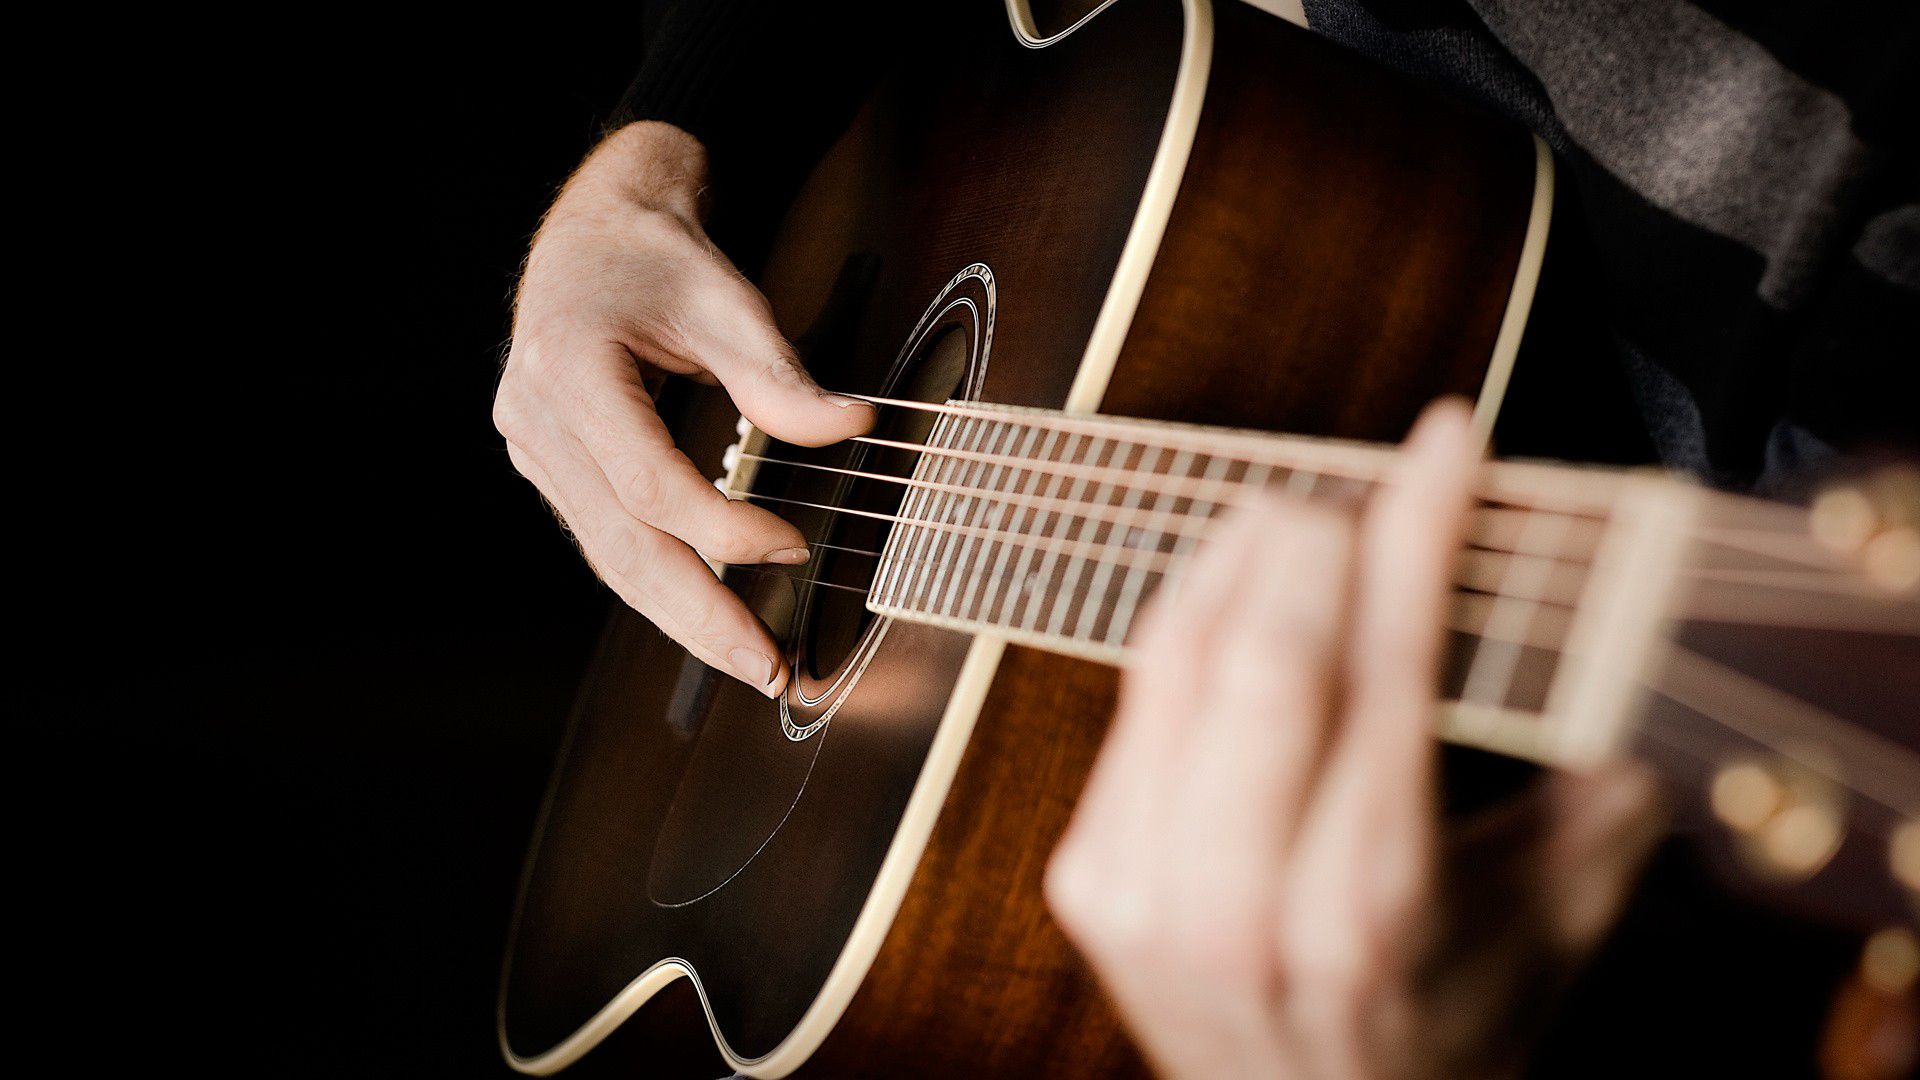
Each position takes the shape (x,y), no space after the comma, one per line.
(1788,702)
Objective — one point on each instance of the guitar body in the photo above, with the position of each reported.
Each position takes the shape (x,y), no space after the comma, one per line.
(1168,212)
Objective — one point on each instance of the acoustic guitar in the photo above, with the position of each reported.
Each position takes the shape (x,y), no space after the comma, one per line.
(1092,262)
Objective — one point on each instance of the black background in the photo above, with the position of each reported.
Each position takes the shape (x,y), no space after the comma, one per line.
(300,640)
(297,642)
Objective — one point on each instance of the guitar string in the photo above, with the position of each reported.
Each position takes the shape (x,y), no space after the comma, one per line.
(1787,540)
(1108,512)
(1020,464)
(1156,562)
(1364,462)
(1839,580)
(1708,601)
(1746,728)
(1835,584)
(1718,692)
(1867,757)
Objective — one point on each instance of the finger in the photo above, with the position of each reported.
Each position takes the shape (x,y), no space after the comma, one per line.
(728,329)
(1168,677)
(653,573)
(1379,788)
(1100,879)
(1238,794)
(1351,897)
(1253,749)
(1600,828)
(1181,973)
(614,418)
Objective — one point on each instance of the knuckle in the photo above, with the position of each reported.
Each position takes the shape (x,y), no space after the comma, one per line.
(510,418)
(1089,900)
(616,551)
(642,491)
(521,460)
(784,371)
(536,363)
(1069,886)
(1228,951)
(658,230)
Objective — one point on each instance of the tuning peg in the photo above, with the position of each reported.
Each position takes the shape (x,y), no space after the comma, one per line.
(1876,520)
(1843,519)
(1892,559)
(742,426)
(1904,853)
(1890,962)
(1745,795)
(1789,820)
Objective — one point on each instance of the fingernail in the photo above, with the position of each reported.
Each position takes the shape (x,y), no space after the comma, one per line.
(789,555)
(753,666)
(845,402)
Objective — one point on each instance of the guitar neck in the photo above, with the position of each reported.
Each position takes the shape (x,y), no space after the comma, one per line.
(1052,530)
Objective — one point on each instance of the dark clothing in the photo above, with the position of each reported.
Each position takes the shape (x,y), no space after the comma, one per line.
(1745,170)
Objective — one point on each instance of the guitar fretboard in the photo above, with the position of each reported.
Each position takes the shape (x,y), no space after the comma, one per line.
(1053,531)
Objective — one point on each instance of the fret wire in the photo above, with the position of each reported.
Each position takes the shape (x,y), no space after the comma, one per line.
(926,512)
(1491,671)
(1087,510)
(970,598)
(1034,476)
(942,514)
(889,568)
(956,584)
(951,512)
(1027,518)
(1030,619)
(1025,597)
(1133,585)
(1089,529)
(1079,470)
(1095,601)
(912,507)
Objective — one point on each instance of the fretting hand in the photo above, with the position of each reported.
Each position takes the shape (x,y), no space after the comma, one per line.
(1257,871)
(622,289)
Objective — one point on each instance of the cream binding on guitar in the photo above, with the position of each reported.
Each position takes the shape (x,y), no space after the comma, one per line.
(1089,259)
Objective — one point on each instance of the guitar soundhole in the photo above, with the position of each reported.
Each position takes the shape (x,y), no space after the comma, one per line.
(744,776)
(838,619)
(833,636)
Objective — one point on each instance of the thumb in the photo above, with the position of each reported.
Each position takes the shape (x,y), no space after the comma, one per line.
(740,345)
(1598,829)
(783,400)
